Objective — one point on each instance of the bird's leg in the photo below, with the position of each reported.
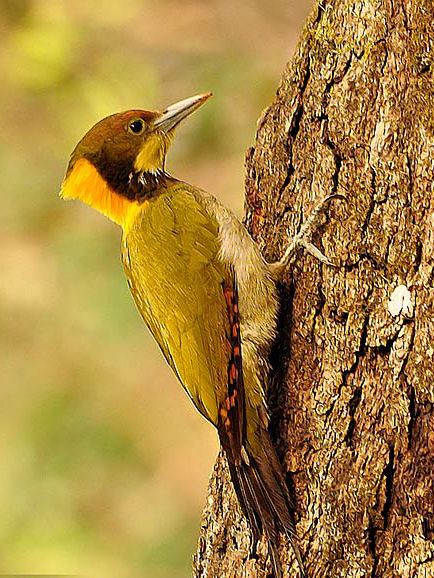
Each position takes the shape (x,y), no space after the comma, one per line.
(302,239)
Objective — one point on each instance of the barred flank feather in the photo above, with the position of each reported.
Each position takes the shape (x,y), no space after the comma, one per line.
(264,499)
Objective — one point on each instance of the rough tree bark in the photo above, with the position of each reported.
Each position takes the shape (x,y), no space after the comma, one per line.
(353,395)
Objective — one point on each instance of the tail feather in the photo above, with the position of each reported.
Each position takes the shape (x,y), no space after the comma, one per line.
(264,499)
(246,497)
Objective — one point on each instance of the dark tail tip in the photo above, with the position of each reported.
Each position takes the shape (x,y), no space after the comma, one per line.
(265,502)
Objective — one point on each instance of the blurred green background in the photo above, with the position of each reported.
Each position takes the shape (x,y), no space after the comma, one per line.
(104,463)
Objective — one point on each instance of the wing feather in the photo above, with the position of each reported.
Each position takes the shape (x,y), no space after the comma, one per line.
(180,285)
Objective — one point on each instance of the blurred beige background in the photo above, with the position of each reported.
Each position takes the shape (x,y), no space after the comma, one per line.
(104,462)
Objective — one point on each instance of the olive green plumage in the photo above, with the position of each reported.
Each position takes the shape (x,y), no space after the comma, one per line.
(171,259)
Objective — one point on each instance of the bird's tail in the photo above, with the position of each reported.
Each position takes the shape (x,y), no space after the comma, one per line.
(261,489)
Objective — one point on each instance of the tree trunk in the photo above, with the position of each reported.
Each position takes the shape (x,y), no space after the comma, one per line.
(352,400)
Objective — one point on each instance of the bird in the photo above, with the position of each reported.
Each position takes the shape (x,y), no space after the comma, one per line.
(204,290)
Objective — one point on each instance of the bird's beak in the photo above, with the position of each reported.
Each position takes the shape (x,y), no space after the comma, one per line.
(178,111)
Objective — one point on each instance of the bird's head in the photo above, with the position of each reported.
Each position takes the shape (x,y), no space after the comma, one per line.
(117,154)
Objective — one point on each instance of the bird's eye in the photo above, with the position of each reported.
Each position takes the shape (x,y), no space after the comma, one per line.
(136,126)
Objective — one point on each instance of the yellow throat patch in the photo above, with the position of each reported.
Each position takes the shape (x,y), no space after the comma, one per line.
(151,155)
(86,184)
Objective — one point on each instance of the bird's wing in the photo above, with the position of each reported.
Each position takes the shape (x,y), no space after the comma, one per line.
(188,298)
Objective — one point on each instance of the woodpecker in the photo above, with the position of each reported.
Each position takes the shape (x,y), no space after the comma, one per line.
(203,289)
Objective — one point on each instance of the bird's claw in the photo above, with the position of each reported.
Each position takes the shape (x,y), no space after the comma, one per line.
(301,239)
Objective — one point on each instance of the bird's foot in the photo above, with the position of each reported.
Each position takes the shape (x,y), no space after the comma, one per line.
(302,239)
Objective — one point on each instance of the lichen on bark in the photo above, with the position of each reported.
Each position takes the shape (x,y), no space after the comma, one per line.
(353,392)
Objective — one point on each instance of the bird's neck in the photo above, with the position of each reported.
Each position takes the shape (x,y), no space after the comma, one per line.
(143,186)
(120,201)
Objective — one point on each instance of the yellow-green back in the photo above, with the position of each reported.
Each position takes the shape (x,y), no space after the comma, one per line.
(171,258)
